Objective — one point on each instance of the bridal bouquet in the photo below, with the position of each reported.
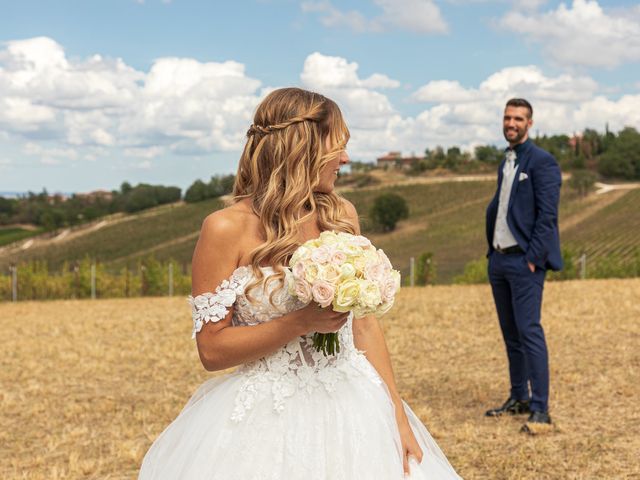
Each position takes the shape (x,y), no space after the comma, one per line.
(345,272)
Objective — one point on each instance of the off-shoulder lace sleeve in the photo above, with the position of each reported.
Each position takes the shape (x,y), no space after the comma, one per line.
(213,307)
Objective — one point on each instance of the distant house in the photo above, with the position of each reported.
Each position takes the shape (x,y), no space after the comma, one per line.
(96,195)
(396,160)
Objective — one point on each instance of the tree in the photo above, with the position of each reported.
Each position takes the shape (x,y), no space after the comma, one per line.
(388,209)
(125,188)
(622,158)
(488,154)
(582,181)
(196,192)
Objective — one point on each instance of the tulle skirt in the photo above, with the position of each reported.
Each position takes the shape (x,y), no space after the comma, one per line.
(347,434)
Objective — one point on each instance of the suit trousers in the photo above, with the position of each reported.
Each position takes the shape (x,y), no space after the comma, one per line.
(517,293)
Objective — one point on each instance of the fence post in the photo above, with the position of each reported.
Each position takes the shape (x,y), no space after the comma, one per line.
(171,279)
(76,280)
(14,283)
(93,281)
(143,281)
(126,281)
(583,266)
(412,271)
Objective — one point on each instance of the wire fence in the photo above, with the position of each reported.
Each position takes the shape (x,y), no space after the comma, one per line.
(90,279)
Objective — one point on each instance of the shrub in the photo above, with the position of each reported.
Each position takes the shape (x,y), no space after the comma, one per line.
(582,181)
(425,269)
(388,209)
(474,272)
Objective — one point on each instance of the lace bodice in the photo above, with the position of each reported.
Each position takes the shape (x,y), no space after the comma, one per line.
(295,367)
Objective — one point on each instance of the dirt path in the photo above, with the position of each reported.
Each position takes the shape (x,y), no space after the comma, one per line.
(78,231)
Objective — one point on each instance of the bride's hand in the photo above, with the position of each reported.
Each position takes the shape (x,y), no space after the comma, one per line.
(410,446)
(321,320)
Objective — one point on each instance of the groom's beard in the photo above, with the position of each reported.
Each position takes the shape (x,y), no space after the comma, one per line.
(514,139)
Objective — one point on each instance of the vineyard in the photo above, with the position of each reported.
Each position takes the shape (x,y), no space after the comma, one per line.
(445,219)
(615,228)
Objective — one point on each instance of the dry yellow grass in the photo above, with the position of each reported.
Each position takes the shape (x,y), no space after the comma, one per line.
(86,386)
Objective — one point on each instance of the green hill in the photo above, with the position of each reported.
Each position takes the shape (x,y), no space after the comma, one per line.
(446,219)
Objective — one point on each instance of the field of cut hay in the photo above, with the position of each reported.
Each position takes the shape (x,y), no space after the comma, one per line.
(85,386)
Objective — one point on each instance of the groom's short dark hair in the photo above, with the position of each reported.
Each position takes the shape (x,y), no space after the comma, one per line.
(520,102)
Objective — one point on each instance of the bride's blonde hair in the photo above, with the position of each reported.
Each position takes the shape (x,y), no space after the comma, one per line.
(280,169)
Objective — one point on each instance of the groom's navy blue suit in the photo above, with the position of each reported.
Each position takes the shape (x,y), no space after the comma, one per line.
(532,217)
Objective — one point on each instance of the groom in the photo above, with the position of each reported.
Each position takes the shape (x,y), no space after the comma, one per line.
(522,231)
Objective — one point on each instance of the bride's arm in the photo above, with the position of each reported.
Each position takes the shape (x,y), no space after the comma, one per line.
(220,345)
(368,337)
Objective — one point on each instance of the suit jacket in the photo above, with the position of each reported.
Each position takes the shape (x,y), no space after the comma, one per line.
(532,214)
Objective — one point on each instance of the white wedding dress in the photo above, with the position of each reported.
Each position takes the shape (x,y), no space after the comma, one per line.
(293,415)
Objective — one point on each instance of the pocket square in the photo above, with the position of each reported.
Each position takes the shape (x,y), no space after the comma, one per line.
(523,176)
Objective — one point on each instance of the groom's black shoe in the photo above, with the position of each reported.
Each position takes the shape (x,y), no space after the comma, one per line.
(511,406)
(535,421)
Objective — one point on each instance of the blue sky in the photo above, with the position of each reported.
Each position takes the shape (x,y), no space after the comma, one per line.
(95,93)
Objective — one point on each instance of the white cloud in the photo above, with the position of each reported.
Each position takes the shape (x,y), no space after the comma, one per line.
(444,91)
(64,110)
(322,71)
(101,102)
(338,79)
(562,105)
(582,34)
(418,16)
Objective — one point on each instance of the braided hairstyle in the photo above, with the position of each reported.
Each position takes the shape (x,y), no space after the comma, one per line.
(280,167)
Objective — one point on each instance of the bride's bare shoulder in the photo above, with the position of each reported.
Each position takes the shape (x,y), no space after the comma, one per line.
(234,221)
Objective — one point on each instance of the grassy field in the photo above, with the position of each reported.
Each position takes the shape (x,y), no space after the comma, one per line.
(85,386)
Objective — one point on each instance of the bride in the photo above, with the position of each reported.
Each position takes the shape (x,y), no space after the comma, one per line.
(287,411)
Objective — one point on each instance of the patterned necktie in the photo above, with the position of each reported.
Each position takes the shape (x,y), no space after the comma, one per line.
(511,158)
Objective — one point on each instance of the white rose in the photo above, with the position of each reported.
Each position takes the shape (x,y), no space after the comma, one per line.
(346,295)
(328,237)
(347,271)
(369,295)
(331,273)
(301,253)
(311,271)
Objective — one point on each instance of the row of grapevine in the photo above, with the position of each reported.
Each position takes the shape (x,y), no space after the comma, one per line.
(87,279)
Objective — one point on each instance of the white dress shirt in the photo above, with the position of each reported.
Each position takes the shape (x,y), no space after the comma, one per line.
(502,236)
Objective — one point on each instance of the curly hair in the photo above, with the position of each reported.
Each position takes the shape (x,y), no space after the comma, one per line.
(279,172)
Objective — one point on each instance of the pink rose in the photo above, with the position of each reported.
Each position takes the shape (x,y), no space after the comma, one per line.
(302,290)
(384,259)
(320,255)
(389,290)
(323,292)
(338,258)
(298,270)
(360,241)
(375,272)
